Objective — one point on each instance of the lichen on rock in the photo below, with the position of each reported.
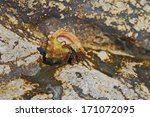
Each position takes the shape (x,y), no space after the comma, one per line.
(14,89)
(95,83)
(114,33)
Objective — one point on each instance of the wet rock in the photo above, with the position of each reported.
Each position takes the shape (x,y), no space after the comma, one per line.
(143,73)
(56,90)
(30,70)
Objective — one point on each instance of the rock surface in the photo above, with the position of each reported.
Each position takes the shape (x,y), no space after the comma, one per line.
(97,84)
(129,18)
(115,33)
(14,89)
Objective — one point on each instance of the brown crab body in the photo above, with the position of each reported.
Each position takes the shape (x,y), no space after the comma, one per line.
(61,46)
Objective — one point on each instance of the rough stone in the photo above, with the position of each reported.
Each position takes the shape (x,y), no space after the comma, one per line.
(95,83)
(14,89)
(114,16)
(114,33)
(42,97)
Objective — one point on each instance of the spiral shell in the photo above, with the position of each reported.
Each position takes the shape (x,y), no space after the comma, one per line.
(60,45)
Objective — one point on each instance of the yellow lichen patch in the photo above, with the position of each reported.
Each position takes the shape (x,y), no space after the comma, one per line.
(143,23)
(68,1)
(38,34)
(31,4)
(42,97)
(121,24)
(35,32)
(146,63)
(106,7)
(121,7)
(90,16)
(60,5)
(43,1)
(69,93)
(15,89)
(4,69)
(64,1)
(144,88)
(128,70)
(12,19)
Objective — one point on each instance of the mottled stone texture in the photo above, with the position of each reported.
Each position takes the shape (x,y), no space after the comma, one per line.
(115,33)
(125,19)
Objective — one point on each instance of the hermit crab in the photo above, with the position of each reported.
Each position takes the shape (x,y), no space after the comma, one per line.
(62,47)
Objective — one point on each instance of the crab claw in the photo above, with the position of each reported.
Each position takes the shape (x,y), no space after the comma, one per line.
(41,50)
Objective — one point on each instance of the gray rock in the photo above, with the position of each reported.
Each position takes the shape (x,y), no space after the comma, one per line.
(96,83)
(14,89)
(56,90)
(18,56)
